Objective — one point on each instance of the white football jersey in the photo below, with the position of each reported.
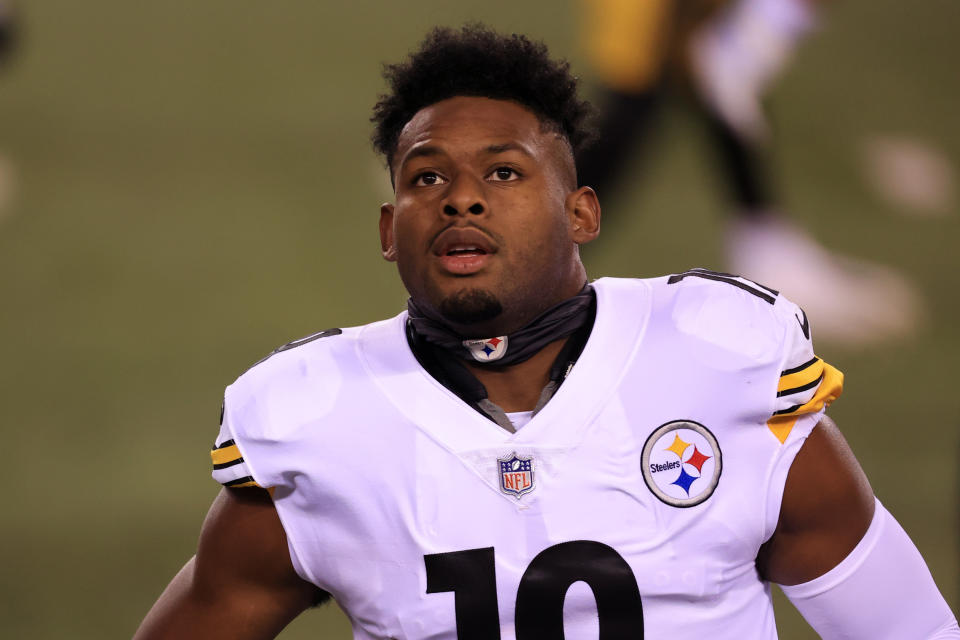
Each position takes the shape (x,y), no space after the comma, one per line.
(632,505)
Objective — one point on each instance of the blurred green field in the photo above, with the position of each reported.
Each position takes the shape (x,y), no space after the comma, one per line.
(196,187)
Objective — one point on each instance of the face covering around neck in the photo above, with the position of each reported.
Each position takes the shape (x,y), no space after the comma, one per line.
(557,322)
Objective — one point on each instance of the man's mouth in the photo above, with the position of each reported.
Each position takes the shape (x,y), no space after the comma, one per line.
(464,260)
(468,250)
(463,251)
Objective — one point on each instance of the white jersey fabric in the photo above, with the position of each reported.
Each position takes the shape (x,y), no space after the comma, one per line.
(633,504)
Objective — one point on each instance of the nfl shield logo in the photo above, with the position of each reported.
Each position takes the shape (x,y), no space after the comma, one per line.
(488,349)
(516,475)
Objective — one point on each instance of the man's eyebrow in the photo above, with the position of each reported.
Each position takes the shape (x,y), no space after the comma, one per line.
(432,151)
(425,151)
(507,146)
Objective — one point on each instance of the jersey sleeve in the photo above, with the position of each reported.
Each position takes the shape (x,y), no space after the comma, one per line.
(807,384)
(265,408)
(229,467)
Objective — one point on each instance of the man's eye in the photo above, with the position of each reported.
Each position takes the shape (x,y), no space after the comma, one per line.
(427,179)
(503,174)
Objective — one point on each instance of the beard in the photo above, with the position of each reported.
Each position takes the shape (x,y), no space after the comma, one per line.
(470,306)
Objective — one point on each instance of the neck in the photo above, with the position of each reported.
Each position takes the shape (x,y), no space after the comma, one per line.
(518,387)
(503,350)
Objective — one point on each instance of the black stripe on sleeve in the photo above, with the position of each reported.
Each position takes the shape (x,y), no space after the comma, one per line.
(224,444)
(789,410)
(224,465)
(326,333)
(231,483)
(763,286)
(809,385)
(796,369)
(733,275)
(709,276)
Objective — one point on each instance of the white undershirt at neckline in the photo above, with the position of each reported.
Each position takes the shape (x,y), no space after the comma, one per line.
(519,418)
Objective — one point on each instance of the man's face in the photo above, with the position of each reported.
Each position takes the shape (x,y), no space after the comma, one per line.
(487,218)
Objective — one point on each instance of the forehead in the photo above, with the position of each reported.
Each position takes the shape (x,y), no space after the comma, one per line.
(466,122)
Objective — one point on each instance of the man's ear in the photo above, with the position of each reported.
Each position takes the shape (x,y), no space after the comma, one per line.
(386,233)
(583,208)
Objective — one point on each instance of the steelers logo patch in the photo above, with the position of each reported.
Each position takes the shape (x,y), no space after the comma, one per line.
(682,463)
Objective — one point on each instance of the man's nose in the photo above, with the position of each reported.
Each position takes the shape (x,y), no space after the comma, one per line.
(464,195)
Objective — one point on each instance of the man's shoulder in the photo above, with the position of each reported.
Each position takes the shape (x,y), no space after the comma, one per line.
(318,358)
(702,287)
(740,294)
(725,311)
(300,382)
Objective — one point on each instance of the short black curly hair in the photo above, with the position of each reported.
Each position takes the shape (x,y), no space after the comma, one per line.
(478,61)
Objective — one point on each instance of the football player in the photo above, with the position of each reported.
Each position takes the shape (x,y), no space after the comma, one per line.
(525,454)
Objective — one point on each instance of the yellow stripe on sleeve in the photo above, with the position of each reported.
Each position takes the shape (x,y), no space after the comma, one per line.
(829,390)
(801,378)
(226,454)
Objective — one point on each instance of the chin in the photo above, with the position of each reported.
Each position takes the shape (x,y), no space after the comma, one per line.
(470,307)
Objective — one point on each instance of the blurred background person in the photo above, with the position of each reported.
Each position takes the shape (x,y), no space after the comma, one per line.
(722,56)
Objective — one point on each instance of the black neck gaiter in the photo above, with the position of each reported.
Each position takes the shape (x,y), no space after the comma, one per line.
(559,321)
